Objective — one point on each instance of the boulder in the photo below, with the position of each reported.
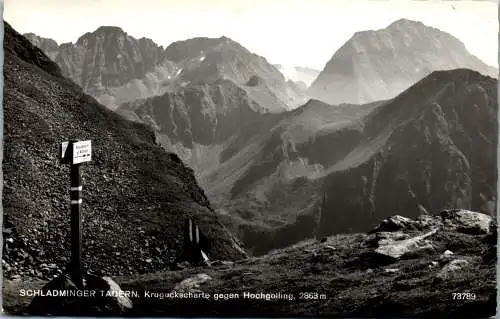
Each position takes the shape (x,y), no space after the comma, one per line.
(380,238)
(445,257)
(447,253)
(428,221)
(394,223)
(452,269)
(92,300)
(386,237)
(397,248)
(192,283)
(466,221)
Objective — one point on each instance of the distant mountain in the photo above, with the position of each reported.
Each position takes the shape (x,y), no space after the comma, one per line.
(378,65)
(136,195)
(207,60)
(116,68)
(324,169)
(201,114)
(299,74)
(111,65)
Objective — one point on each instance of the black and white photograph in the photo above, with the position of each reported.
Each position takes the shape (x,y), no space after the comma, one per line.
(250,158)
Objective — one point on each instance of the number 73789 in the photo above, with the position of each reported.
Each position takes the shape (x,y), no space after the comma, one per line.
(463,296)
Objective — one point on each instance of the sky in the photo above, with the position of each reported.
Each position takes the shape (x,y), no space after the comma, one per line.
(290,32)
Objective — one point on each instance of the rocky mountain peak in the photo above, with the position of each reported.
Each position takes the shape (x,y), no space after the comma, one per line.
(102,31)
(402,24)
(379,64)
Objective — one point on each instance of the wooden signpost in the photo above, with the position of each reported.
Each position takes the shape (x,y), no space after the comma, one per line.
(75,153)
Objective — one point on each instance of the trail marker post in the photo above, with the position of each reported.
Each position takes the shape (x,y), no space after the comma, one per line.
(75,153)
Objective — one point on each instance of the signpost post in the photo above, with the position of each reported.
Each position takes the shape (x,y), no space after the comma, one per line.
(76,153)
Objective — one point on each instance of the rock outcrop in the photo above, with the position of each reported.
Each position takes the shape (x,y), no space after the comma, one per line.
(98,297)
(467,222)
(399,248)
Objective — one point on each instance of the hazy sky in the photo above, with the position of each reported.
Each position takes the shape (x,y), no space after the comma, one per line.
(290,32)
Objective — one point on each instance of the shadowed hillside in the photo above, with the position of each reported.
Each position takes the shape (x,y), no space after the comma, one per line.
(135,195)
(431,148)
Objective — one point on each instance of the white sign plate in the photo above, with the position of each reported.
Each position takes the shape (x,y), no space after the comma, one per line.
(82,152)
(64,148)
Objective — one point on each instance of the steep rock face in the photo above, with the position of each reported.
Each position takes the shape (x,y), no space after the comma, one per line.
(113,58)
(378,65)
(321,169)
(207,114)
(111,65)
(431,148)
(136,196)
(48,46)
(208,60)
(116,68)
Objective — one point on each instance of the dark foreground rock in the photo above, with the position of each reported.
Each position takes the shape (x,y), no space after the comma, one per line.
(466,221)
(100,296)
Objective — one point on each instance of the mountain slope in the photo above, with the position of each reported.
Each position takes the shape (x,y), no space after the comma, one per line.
(136,196)
(431,148)
(378,65)
(324,169)
(48,46)
(208,60)
(196,121)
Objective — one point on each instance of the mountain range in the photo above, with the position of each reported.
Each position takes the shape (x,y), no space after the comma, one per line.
(298,172)
(116,68)
(405,110)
